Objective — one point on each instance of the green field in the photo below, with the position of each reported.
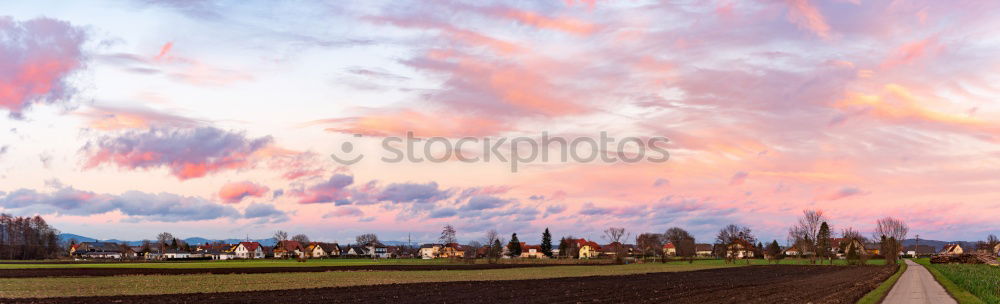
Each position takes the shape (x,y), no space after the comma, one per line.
(163,284)
(782,262)
(235,263)
(968,283)
(364,262)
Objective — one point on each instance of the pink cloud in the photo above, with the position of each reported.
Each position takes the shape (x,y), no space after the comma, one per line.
(738,178)
(112,118)
(911,52)
(807,16)
(568,25)
(187,153)
(420,123)
(333,190)
(841,193)
(39,56)
(232,193)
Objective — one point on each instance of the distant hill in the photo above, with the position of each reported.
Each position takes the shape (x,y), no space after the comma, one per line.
(939,245)
(66,237)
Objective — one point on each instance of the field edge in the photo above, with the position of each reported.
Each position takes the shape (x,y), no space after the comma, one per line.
(958,293)
(879,293)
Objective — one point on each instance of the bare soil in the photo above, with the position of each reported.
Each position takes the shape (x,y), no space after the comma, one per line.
(754,284)
(104,272)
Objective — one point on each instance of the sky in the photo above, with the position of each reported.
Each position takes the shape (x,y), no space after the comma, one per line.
(217,119)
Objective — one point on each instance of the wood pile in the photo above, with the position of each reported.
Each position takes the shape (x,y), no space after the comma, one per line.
(965,258)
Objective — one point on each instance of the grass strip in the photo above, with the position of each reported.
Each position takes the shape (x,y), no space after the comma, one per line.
(878,294)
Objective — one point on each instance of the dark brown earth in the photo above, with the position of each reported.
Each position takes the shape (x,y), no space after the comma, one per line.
(755,284)
(104,272)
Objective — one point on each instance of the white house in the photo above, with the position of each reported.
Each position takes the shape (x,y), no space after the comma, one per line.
(321,250)
(430,251)
(249,250)
(952,249)
(176,254)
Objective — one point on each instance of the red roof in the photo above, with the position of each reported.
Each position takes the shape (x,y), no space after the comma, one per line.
(289,246)
(668,246)
(526,247)
(251,246)
(585,242)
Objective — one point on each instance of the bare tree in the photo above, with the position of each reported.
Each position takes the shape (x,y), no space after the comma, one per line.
(992,242)
(894,231)
(280,236)
(301,238)
(494,241)
(683,243)
(615,235)
(649,243)
(162,239)
(367,239)
(804,233)
(736,241)
(448,235)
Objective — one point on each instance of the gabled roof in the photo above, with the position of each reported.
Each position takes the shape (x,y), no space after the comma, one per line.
(288,246)
(430,246)
(702,247)
(250,246)
(327,247)
(359,249)
(951,248)
(585,242)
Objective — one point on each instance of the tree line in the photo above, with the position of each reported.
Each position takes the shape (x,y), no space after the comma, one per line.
(27,238)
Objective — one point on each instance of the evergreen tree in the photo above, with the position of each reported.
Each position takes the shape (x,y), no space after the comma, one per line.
(547,243)
(563,247)
(774,250)
(823,242)
(496,249)
(173,244)
(514,247)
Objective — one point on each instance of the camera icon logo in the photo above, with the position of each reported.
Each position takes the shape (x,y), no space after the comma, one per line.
(346,148)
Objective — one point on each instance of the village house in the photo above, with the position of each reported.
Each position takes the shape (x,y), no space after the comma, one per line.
(919,250)
(532,251)
(854,245)
(430,251)
(792,251)
(669,249)
(588,249)
(377,251)
(452,250)
(740,249)
(703,250)
(952,249)
(322,250)
(100,250)
(288,249)
(175,254)
(355,251)
(249,250)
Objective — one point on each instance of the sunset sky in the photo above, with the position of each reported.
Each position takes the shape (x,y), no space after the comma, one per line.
(123,119)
